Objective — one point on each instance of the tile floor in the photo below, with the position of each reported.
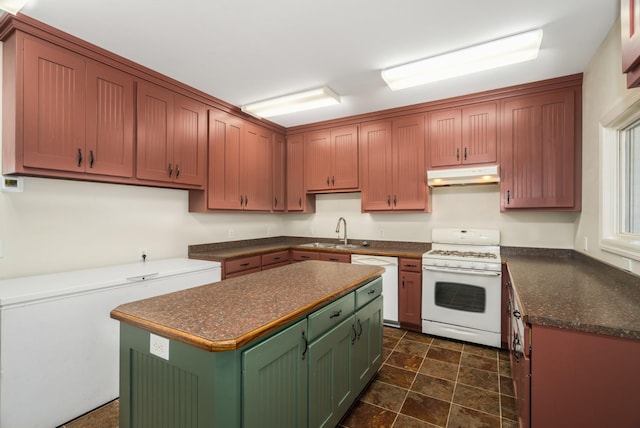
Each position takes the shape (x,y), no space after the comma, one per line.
(424,382)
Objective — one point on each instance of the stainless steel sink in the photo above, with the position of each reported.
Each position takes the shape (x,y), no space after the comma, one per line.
(347,246)
(319,245)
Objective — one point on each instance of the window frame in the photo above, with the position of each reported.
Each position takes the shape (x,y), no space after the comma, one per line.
(612,237)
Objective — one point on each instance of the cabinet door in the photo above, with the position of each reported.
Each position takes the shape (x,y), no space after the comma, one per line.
(335,257)
(155,133)
(409,179)
(54,107)
(317,160)
(274,380)
(479,134)
(331,389)
(226,133)
(344,158)
(445,138)
(368,343)
(630,25)
(296,196)
(190,141)
(109,121)
(376,166)
(278,172)
(539,149)
(301,255)
(256,168)
(410,300)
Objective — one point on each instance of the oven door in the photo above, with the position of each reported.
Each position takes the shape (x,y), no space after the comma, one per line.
(459,298)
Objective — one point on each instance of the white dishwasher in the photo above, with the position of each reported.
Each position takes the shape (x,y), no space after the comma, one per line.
(389,283)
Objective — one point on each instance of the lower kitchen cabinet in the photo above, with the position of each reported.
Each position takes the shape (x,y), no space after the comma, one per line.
(241,266)
(410,294)
(274,380)
(368,342)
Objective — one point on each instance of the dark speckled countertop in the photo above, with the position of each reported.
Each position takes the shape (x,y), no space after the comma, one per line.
(566,289)
(228,250)
(229,314)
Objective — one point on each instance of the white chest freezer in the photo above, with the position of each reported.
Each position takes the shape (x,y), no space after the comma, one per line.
(59,347)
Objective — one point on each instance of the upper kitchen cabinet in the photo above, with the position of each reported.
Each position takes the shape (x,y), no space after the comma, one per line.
(463,136)
(392,165)
(278,166)
(64,115)
(541,151)
(172,137)
(297,199)
(240,165)
(630,32)
(331,160)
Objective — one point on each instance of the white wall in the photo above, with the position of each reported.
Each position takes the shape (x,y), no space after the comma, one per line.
(604,91)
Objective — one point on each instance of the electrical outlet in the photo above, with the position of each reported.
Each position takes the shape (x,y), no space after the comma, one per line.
(159,346)
(313,230)
(143,255)
(231,232)
(268,230)
(626,264)
(586,243)
(382,233)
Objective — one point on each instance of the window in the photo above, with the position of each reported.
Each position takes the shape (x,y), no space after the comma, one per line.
(621,184)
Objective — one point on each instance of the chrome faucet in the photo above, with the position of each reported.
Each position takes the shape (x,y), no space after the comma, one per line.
(341,219)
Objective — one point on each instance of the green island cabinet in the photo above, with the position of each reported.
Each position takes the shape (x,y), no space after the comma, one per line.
(307,373)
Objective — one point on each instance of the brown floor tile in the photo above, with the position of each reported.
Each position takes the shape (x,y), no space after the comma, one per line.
(483,351)
(418,337)
(389,342)
(462,417)
(384,395)
(412,347)
(433,387)
(427,409)
(106,416)
(506,386)
(508,407)
(504,355)
(447,343)
(365,415)
(504,368)
(393,332)
(396,376)
(443,354)
(405,361)
(477,399)
(506,423)
(440,369)
(479,362)
(404,421)
(478,378)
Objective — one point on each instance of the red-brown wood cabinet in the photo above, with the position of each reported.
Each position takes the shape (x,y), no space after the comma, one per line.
(540,161)
(331,160)
(278,168)
(59,122)
(463,136)
(297,199)
(630,39)
(410,294)
(240,164)
(172,136)
(392,164)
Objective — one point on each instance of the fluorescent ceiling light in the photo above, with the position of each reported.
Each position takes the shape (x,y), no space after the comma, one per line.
(497,53)
(12,6)
(293,103)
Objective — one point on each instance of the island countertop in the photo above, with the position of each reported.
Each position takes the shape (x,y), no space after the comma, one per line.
(229,314)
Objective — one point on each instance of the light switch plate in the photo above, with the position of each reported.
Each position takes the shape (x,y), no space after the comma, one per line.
(159,346)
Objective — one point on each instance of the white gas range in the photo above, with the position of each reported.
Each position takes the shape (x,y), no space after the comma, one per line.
(461,285)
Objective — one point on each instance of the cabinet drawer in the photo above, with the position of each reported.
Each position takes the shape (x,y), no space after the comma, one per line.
(336,257)
(273,258)
(368,292)
(242,264)
(299,256)
(411,265)
(331,315)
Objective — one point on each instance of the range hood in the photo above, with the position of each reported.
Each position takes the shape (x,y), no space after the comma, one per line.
(461,176)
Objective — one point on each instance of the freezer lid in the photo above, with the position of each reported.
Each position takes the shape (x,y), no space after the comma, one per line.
(26,289)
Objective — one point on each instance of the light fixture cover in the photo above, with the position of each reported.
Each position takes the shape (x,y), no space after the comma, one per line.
(497,53)
(12,6)
(292,103)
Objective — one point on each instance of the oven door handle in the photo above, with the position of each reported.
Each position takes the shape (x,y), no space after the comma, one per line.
(468,272)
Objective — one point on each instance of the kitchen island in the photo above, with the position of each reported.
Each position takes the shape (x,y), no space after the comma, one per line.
(253,350)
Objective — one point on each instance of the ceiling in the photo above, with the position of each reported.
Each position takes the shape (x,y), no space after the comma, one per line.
(243,51)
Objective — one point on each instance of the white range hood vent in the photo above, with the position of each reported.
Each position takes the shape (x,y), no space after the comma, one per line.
(462,176)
